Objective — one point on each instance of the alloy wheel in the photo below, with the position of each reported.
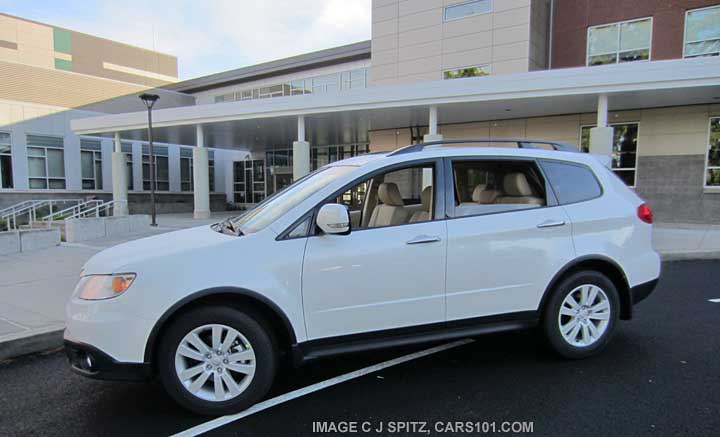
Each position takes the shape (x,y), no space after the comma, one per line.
(584,315)
(215,362)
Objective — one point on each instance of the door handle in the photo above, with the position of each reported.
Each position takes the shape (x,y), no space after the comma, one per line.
(421,239)
(551,223)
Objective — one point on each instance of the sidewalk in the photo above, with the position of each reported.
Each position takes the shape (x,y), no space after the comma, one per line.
(34,286)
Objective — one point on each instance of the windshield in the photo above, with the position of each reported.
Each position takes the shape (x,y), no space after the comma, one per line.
(283,201)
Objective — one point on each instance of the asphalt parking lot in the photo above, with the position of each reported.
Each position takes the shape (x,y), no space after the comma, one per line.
(659,376)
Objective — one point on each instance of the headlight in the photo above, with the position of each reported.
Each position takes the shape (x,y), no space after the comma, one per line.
(95,287)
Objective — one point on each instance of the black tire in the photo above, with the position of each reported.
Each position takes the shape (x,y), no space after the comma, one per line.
(550,319)
(253,328)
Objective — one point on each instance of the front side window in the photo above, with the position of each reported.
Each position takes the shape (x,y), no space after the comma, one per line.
(477,71)
(626,41)
(713,157)
(624,151)
(571,182)
(283,201)
(6,175)
(702,32)
(394,198)
(490,187)
(46,162)
(467,9)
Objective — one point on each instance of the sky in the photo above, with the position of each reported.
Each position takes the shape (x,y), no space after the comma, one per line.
(209,36)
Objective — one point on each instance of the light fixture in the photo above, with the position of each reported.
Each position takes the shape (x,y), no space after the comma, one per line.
(149,100)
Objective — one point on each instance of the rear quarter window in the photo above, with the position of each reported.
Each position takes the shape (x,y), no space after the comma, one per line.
(571,182)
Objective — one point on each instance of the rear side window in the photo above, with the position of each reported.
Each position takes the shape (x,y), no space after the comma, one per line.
(571,182)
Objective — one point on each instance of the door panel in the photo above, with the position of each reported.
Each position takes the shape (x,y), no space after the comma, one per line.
(501,263)
(372,279)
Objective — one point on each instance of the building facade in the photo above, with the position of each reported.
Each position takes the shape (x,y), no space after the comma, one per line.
(638,82)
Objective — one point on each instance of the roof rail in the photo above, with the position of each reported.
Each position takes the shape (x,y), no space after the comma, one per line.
(522,143)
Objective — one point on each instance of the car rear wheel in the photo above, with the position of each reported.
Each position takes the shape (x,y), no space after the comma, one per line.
(217,360)
(580,317)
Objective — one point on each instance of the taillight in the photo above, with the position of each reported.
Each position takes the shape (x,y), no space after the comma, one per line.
(645,214)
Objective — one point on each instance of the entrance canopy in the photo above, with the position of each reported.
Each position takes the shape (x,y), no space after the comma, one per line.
(347,117)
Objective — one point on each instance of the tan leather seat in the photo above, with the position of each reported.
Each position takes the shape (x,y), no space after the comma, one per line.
(482,195)
(426,201)
(518,190)
(391,211)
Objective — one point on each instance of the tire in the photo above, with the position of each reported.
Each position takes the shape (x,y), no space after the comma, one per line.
(251,344)
(588,326)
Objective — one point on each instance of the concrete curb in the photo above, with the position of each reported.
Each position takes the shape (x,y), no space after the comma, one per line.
(25,343)
(690,255)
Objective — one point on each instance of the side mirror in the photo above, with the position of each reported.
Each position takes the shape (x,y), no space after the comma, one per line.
(334,218)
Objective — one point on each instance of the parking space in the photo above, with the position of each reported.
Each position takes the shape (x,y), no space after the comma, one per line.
(659,376)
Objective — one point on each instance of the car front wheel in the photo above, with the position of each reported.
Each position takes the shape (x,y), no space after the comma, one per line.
(217,360)
(581,315)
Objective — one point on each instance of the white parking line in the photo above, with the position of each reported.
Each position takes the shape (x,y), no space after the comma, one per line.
(714,300)
(224,420)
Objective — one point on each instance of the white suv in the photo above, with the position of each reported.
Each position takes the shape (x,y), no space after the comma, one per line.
(386,249)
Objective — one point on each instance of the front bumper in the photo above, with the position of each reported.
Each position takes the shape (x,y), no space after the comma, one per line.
(90,361)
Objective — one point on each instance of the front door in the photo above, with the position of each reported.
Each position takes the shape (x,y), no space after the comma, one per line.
(387,273)
(506,238)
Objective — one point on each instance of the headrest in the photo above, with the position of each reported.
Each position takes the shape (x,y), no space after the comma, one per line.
(516,184)
(477,192)
(389,194)
(426,197)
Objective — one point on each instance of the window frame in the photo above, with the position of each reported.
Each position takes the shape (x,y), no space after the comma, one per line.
(157,181)
(10,155)
(618,51)
(47,176)
(438,199)
(446,7)
(707,165)
(637,147)
(685,41)
(96,157)
(449,189)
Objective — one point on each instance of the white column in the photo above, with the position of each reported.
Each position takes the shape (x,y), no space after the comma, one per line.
(601,137)
(301,151)
(200,177)
(432,134)
(119,179)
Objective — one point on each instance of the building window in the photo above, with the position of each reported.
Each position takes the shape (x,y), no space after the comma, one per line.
(467,9)
(624,151)
(702,32)
(211,175)
(162,178)
(90,164)
(46,162)
(625,41)
(353,79)
(713,157)
(480,70)
(186,174)
(127,150)
(6,175)
(325,84)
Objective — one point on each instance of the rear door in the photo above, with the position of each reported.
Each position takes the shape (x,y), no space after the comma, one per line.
(502,253)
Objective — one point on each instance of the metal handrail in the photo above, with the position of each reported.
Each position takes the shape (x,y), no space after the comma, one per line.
(522,143)
(30,207)
(71,210)
(102,206)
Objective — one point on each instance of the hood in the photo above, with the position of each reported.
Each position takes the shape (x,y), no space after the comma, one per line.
(121,258)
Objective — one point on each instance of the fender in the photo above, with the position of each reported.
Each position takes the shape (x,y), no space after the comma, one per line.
(216,291)
(624,290)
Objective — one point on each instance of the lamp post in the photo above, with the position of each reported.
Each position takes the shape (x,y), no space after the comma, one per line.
(149,100)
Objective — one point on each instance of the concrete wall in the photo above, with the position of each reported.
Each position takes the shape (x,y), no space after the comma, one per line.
(86,229)
(671,152)
(412,42)
(28,240)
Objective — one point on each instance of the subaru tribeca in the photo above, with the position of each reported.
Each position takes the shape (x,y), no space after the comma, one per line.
(427,242)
